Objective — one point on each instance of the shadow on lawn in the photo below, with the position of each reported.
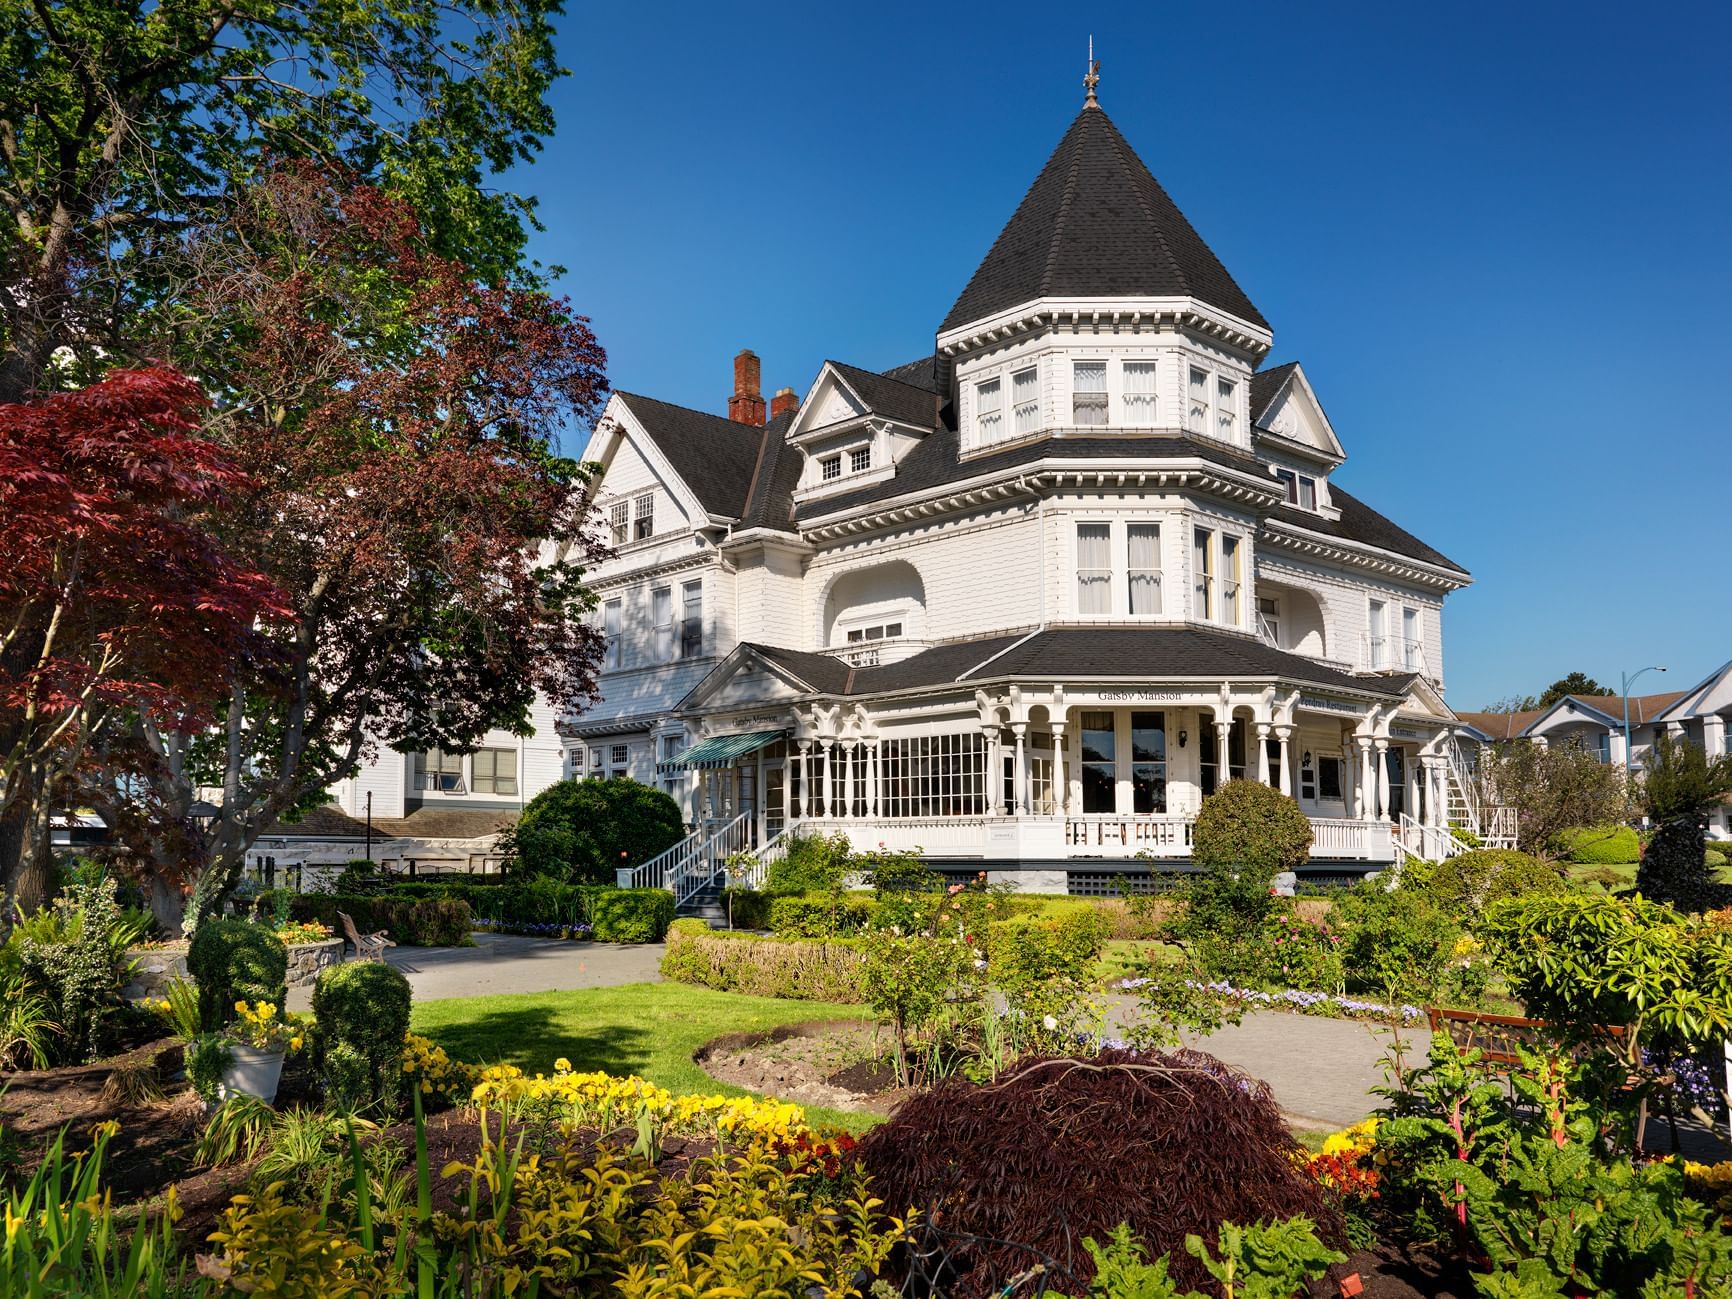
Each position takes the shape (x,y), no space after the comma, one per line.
(533,1037)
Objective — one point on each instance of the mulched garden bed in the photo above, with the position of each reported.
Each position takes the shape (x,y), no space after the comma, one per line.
(839,1063)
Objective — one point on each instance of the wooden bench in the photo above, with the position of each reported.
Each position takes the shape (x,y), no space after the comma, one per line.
(368,947)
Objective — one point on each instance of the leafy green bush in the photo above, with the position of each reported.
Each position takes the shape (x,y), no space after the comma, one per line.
(361,1014)
(73,955)
(432,922)
(1714,859)
(820,915)
(1610,845)
(359,877)
(763,967)
(581,831)
(1024,954)
(748,908)
(1400,943)
(814,863)
(1244,835)
(535,899)
(235,960)
(1463,886)
(912,981)
(631,915)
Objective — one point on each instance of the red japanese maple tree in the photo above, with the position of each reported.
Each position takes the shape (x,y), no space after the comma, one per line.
(117,603)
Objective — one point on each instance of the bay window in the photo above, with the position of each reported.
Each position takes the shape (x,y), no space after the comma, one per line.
(1094,571)
(1025,400)
(1203,573)
(1410,642)
(1089,394)
(1139,393)
(1143,568)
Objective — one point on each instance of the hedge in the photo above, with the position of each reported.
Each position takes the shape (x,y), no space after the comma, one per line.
(428,922)
(820,915)
(1613,845)
(801,969)
(536,901)
(631,915)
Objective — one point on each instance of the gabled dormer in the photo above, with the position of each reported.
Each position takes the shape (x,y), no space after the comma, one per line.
(854,427)
(1293,436)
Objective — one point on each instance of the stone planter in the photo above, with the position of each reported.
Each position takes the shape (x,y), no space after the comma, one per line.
(153,969)
(307,959)
(251,1072)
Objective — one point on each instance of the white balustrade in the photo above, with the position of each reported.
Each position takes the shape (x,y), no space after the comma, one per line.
(1126,836)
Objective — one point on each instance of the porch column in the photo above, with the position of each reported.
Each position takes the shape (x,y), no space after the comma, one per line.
(848,778)
(873,774)
(802,774)
(1383,781)
(788,794)
(1440,791)
(1223,767)
(1262,753)
(994,771)
(1019,770)
(1366,794)
(829,747)
(1285,735)
(1713,735)
(1060,780)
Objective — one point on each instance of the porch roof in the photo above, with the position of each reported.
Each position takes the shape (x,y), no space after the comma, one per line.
(1066,654)
(720,750)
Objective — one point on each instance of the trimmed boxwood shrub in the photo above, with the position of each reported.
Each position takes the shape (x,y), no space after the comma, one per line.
(631,915)
(361,1013)
(1186,1143)
(581,831)
(1463,886)
(429,922)
(538,900)
(1612,845)
(764,967)
(751,909)
(235,960)
(812,864)
(819,915)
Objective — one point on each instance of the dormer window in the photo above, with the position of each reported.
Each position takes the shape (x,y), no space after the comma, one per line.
(1025,399)
(1140,393)
(1197,409)
(988,410)
(1307,493)
(860,460)
(1226,410)
(1300,489)
(644,520)
(830,468)
(1089,394)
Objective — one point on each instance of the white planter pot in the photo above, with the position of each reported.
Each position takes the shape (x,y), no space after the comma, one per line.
(251,1072)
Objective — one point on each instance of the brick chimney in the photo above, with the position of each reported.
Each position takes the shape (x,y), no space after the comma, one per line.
(746,406)
(785,402)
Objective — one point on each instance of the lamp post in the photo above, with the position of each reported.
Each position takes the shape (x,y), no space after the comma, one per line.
(1628,681)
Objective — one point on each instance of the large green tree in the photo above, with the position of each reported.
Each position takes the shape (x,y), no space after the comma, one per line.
(123,123)
(1576,683)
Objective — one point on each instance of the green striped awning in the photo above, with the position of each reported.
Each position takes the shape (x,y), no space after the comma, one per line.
(719,751)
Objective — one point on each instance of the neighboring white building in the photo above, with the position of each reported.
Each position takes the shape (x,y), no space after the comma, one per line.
(1023,602)
(1596,724)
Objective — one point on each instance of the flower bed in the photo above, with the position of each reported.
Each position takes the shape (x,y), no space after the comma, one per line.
(580,932)
(1330,1005)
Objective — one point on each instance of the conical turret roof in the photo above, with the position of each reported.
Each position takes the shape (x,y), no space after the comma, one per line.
(1097,224)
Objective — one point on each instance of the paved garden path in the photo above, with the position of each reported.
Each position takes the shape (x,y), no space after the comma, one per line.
(508,963)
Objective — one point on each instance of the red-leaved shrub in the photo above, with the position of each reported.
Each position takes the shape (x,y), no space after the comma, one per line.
(1017,1172)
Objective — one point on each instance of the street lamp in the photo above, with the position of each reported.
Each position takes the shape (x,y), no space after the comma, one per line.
(1628,682)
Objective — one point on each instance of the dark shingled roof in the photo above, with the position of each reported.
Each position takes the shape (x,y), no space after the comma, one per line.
(1096,224)
(1077,653)
(893,398)
(771,501)
(715,456)
(331,822)
(922,373)
(1359,522)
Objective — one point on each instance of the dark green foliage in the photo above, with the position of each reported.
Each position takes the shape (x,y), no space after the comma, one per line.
(235,960)
(536,899)
(763,967)
(631,915)
(1576,683)
(1610,845)
(814,863)
(822,915)
(1400,943)
(426,922)
(1251,829)
(748,908)
(581,831)
(1679,785)
(361,878)
(361,1013)
(207,1057)
(73,955)
(1463,886)
(1057,1150)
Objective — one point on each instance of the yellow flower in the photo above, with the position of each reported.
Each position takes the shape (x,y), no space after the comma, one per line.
(241,1007)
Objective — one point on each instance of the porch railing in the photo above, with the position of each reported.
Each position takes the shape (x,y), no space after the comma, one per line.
(1351,839)
(1160,836)
(935,836)
(1427,842)
(687,867)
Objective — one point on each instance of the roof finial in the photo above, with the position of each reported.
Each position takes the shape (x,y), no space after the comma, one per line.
(1093,78)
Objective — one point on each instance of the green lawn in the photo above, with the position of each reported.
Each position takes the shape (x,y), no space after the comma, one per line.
(648,1029)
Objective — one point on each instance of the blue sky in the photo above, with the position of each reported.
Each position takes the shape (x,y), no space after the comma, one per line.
(1495,235)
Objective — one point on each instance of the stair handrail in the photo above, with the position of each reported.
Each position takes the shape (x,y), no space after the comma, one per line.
(1464,784)
(653,874)
(703,865)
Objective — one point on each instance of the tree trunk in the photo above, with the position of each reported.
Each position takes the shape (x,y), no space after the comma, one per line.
(12,835)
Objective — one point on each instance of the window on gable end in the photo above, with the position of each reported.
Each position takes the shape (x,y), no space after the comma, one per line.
(1308,493)
(644,522)
(619,521)
(860,460)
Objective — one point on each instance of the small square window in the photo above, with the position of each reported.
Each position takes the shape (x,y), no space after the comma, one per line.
(620,754)
(1307,493)
(830,468)
(859,460)
(893,629)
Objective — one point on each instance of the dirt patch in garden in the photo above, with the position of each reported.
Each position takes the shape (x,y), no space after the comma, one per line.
(1397,1272)
(842,1064)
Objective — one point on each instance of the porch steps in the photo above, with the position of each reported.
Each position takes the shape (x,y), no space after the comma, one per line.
(706,905)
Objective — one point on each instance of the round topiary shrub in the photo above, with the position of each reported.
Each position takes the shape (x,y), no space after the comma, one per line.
(361,1014)
(583,830)
(235,960)
(1463,886)
(1611,845)
(1057,1150)
(1252,828)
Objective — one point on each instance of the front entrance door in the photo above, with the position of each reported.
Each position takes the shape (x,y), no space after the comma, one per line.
(775,798)
(1397,783)
(748,805)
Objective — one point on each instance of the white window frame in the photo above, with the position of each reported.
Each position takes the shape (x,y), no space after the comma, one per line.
(1100,400)
(692,630)
(493,783)
(1203,573)
(1233,579)
(889,629)
(1377,632)
(662,621)
(830,467)
(1289,481)
(1151,576)
(619,523)
(1307,493)
(1226,397)
(1412,638)
(1087,579)
(1141,409)
(1025,405)
(1197,400)
(857,465)
(989,411)
(1269,619)
(643,517)
(612,624)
